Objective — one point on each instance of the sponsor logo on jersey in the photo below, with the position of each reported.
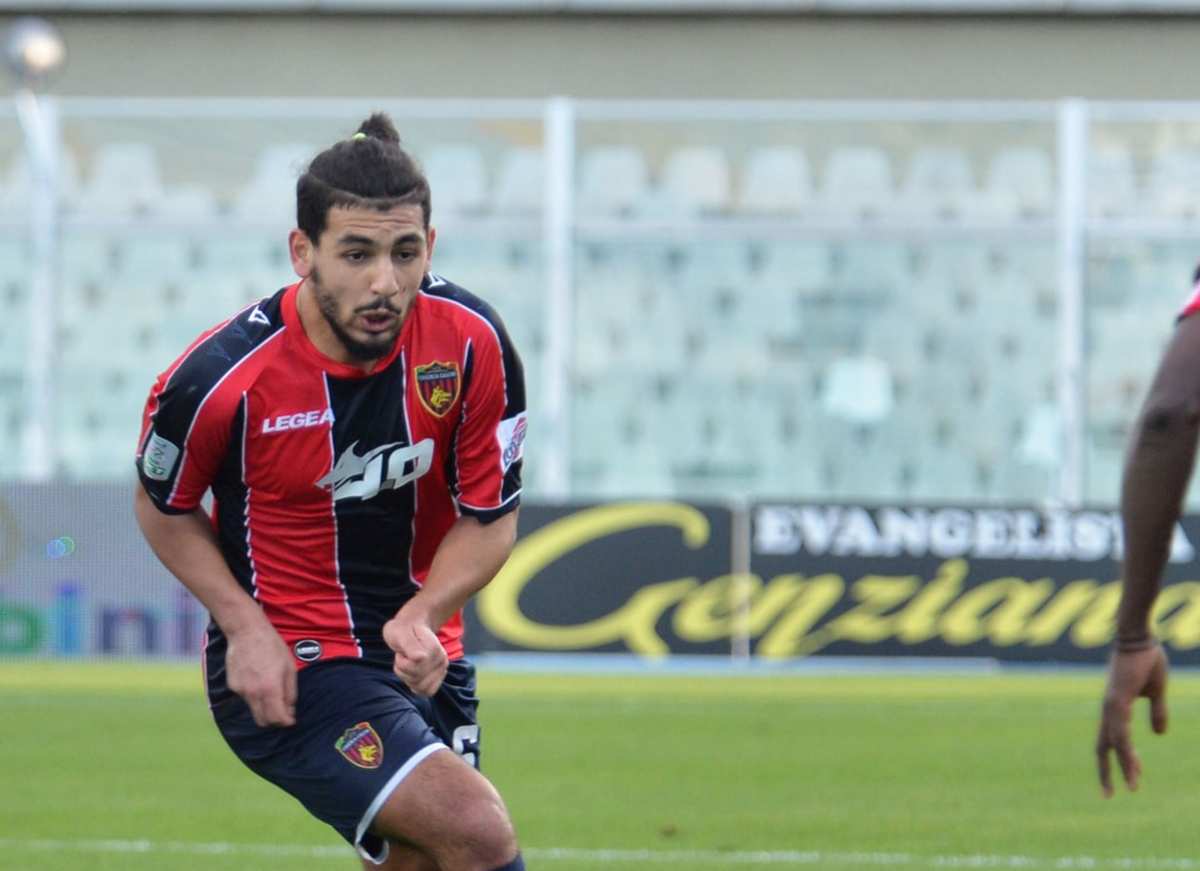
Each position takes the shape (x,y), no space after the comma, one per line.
(437,385)
(258,316)
(159,458)
(307,650)
(299,420)
(387,468)
(511,436)
(360,745)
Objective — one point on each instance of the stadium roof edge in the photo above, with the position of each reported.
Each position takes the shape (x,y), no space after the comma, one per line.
(620,7)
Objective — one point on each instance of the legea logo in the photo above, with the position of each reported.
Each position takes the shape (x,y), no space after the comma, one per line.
(300,420)
(387,468)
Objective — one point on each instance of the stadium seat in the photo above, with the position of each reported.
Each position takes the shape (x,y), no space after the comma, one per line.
(88,253)
(521,185)
(15,259)
(14,328)
(1175,183)
(858,390)
(145,257)
(695,181)
(1111,186)
(1117,374)
(254,257)
(870,472)
(613,181)
(713,267)
(872,271)
(939,185)
(18,186)
(961,263)
(1042,439)
(803,267)
(189,204)
(1105,458)
(1020,184)
(1013,481)
(458,178)
(125,182)
(952,475)
(858,184)
(776,181)
(269,198)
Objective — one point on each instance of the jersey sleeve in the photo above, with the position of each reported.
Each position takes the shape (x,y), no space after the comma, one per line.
(490,444)
(184,438)
(1193,301)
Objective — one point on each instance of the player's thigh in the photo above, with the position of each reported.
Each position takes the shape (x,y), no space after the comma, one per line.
(444,801)
(358,734)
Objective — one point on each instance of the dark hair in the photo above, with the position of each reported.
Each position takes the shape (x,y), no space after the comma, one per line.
(368,170)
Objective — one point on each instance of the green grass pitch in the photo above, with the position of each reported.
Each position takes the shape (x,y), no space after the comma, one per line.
(118,768)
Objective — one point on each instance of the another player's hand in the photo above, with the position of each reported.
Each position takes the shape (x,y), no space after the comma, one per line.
(421,660)
(1131,674)
(259,668)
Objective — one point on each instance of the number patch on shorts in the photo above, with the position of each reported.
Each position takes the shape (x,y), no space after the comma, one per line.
(466,743)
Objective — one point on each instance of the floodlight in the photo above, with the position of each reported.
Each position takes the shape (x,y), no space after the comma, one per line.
(33,50)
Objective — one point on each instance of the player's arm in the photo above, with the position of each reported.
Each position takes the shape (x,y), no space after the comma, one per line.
(1157,469)
(467,559)
(259,665)
(486,485)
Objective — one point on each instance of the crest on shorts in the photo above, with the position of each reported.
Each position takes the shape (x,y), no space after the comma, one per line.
(437,385)
(361,746)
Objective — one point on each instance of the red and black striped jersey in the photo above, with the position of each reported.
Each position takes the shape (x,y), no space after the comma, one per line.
(1193,301)
(332,488)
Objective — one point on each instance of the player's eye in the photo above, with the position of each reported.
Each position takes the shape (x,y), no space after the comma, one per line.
(405,256)
(355,256)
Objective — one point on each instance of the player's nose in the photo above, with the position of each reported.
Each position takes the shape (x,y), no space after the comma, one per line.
(385,281)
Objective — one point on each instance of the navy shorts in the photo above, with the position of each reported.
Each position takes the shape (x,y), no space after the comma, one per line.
(359,732)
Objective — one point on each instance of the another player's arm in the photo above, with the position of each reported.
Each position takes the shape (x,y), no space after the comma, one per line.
(258,663)
(1158,467)
(468,558)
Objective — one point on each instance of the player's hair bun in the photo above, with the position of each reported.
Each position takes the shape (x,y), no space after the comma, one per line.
(380,126)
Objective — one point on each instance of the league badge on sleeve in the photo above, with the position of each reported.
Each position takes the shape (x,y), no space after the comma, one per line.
(360,745)
(159,458)
(511,436)
(437,385)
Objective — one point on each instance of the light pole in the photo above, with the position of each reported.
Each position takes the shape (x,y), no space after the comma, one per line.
(33,51)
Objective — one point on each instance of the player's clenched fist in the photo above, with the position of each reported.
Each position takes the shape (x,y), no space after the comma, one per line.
(420,659)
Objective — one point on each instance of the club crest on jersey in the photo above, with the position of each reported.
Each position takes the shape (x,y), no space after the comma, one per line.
(360,745)
(437,385)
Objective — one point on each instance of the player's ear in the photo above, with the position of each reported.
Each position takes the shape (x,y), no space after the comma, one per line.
(431,238)
(300,247)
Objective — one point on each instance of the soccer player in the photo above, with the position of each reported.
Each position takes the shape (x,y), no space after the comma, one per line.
(361,432)
(1158,467)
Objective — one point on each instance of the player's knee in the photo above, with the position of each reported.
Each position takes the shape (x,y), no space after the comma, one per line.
(489,840)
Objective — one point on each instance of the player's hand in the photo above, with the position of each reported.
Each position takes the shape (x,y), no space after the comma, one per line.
(420,661)
(259,668)
(1131,675)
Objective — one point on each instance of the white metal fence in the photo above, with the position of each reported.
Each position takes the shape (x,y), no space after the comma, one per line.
(803,300)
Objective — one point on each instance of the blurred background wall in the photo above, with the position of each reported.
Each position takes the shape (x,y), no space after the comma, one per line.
(805,279)
(752,54)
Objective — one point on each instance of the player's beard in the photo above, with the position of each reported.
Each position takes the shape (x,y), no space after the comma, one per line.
(359,350)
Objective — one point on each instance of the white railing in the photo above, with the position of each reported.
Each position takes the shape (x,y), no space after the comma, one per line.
(565,129)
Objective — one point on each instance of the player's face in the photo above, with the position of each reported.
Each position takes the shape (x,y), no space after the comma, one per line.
(364,273)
